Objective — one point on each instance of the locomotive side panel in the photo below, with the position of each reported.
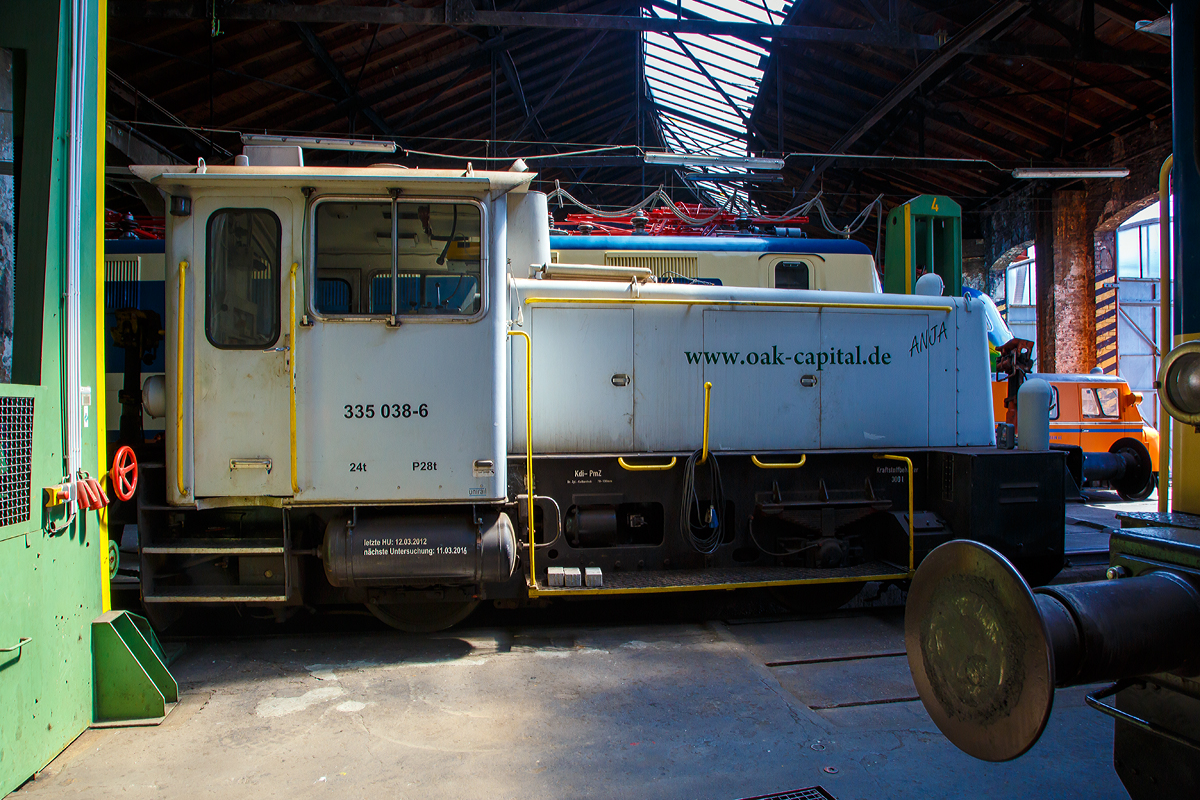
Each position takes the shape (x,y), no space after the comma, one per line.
(761,398)
(875,390)
(583,372)
(397,414)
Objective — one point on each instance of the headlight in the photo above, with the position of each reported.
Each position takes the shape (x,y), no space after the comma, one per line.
(1179,383)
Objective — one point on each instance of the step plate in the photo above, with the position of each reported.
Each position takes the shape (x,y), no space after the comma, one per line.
(650,581)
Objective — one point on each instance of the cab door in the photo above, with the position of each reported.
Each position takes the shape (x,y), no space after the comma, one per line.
(241,347)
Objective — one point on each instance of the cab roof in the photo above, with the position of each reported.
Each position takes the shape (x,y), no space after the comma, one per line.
(416,181)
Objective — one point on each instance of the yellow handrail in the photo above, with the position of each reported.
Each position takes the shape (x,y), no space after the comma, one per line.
(653,301)
(754,460)
(181,312)
(292,380)
(529,444)
(704,447)
(1164,324)
(911,511)
(647,467)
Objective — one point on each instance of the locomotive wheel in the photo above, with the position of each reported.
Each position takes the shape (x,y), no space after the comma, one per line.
(819,598)
(422,617)
(1139,481)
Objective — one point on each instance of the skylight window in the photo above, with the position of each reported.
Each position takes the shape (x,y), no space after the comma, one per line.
(703,87)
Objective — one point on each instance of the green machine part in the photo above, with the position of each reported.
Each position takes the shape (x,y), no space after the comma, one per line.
(925,232)
(131,681)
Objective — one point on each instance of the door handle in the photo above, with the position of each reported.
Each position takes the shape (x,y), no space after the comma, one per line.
(283,348)
(24,640)
(250,463)
(808,381)
(620,379)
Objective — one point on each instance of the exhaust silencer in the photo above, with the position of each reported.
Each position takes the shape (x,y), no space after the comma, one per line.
(986,652)
(456,547)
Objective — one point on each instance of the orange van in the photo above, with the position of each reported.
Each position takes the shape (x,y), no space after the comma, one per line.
(1100,414)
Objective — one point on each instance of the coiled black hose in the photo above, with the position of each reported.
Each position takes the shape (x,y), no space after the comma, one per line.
(702,525)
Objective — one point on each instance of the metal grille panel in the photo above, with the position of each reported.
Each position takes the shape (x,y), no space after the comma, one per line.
(16,458)
(810,793)
(122,283)
(662,266)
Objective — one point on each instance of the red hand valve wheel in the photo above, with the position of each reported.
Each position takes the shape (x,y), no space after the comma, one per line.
(124,473)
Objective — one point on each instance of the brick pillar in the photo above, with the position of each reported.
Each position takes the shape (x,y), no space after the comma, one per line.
(1074,284)
(1044,288)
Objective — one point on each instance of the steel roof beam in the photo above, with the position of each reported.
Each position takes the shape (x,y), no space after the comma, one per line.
(353,100)
(954,47)
(462,14)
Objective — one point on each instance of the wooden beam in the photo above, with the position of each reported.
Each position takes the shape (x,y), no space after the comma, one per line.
(967,36)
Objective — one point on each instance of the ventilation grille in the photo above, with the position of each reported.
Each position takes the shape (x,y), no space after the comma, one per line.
(16,458)
(661,266)
(122,283)
(808,793)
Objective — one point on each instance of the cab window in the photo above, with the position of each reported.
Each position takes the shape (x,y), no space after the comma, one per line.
(1053,402)
(435,267)
(1110,402)
(791,275)
(1100,403)
(242,283)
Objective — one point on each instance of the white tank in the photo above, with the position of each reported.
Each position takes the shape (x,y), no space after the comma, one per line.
(528,233)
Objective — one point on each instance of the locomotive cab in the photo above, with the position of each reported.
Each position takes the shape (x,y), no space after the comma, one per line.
(336,342)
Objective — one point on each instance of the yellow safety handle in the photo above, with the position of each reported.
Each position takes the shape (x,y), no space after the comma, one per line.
(292,380)
(179,364)
(647,467)
(704,447)
(529,444)
(797,465)
(911,537)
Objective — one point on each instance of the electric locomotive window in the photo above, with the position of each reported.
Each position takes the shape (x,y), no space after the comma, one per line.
(791,275)
(1053,402)
(242,301)
(436,264)
(333,295)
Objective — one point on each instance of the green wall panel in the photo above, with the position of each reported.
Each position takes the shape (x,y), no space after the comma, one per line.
(50,586)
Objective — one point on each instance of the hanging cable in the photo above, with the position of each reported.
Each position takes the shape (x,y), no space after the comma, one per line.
(702,524)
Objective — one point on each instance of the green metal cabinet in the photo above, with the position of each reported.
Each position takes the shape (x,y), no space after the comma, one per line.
(51,583)
(925,232)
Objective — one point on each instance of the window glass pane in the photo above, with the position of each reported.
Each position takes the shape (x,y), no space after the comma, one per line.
(8,216)
(1053,402)
(333,296)
(1128,254)
(243,278)
(1088,403)
(791,275)
(1109,403)
(1150,237)
(439,255)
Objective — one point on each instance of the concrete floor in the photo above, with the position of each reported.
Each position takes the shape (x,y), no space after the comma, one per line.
(522,706)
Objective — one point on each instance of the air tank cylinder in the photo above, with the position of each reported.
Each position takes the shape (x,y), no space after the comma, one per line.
(528,240)
(1033,415)
(454,547)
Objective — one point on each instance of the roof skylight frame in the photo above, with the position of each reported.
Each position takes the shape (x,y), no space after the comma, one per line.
(675,83)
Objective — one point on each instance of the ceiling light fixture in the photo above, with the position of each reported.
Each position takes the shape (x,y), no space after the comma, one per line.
(731,177)
(685,160)
(1071,173)
(317,143)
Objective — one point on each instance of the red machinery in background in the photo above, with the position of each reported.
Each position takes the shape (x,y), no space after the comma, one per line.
(664,221)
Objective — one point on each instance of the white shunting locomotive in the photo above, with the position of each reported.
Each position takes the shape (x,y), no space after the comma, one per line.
(355,358)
